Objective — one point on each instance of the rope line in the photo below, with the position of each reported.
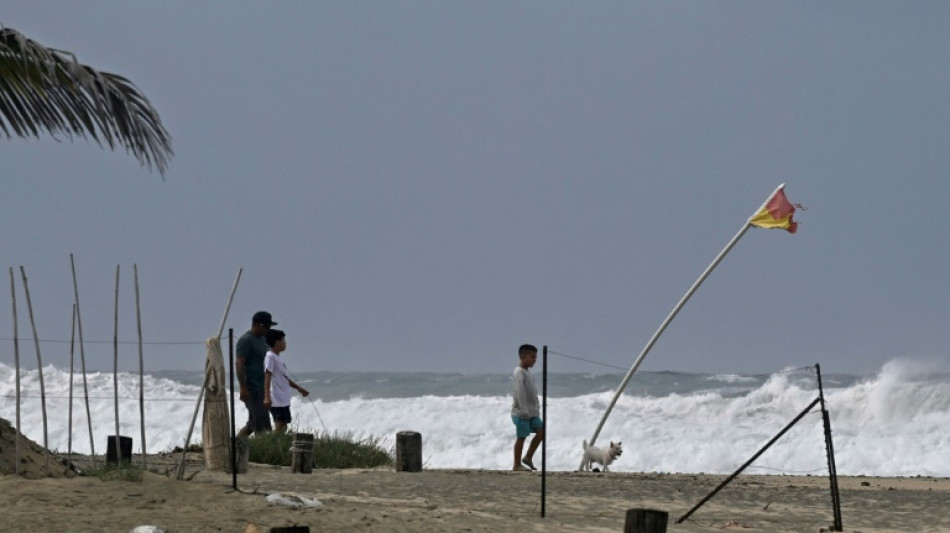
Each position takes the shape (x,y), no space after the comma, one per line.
(136,398)
(591,361)
(58,341)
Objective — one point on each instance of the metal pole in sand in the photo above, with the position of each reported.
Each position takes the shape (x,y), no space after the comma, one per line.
(233,430)
(82,358)
(138,321)
(204,385)
(115,369)
(16,362)
(672,315)
(39,364)
(830,451)
(544,417)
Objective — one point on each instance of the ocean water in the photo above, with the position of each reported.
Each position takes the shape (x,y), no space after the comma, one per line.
(892,423)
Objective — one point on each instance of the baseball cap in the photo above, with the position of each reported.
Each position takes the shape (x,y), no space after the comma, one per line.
(263,318)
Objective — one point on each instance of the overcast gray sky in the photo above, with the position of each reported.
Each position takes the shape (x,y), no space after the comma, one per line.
(426,185)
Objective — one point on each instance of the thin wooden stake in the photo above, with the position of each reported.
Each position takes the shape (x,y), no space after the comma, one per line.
(16,359)
(138,320)
(72,350)
(82,358)
(39,364)
(115,369)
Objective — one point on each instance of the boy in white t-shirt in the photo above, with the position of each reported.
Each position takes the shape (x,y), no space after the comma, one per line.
(525,409)
(277,382)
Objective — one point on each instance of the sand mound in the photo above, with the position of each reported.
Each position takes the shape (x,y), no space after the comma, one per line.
(35,461)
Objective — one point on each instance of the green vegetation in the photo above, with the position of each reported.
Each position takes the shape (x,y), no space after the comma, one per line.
(121,472)
(336,450)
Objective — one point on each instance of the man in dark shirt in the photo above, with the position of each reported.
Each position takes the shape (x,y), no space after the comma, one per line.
(250,351)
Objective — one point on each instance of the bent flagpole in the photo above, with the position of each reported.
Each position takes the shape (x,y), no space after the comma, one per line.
(776,212)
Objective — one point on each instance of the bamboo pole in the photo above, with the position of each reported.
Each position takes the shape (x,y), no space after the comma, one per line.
(138,320)
(115,370)
(227,308)
(82,358)
(204,385)
(672,315)
(16,362)
(72,350)
(39,364)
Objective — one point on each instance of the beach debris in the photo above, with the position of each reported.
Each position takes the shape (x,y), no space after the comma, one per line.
(735,524)
(148,529)
(292,499)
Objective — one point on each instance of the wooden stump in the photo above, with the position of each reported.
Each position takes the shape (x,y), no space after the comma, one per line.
(302,453)
(645,521)
(408,451)
(123,454)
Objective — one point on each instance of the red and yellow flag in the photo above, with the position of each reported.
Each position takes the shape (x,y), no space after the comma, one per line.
(777,213)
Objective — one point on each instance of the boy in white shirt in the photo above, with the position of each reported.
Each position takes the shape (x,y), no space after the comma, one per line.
(525,409)
(277,382)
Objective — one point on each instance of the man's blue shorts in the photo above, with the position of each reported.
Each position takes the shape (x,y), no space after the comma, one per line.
(526,426)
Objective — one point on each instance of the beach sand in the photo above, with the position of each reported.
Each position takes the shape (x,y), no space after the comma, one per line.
(46,497)
(457,500)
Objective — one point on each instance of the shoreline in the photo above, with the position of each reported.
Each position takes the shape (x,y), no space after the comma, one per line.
(439,500)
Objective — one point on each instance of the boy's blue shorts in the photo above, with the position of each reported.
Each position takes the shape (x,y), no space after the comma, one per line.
(526,426)
(281,414)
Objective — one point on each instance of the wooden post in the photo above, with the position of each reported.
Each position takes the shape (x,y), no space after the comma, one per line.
(82,359)
(645,521)
(72,352)
(408,451)
(115,364)
(215,434)
(16,359)
(39,364)
(302,453)
(138,320)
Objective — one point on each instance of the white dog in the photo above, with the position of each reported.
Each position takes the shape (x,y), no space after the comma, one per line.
(604,456)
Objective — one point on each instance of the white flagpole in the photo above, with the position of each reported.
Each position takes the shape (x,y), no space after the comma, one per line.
(672,315)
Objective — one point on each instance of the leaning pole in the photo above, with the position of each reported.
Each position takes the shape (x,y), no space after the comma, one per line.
(672,315)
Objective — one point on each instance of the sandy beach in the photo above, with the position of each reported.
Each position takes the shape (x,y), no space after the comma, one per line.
(459,500)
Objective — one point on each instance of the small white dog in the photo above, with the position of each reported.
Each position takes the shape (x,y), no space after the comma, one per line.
(604,456)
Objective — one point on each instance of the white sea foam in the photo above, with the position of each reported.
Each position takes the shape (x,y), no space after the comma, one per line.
(891,424)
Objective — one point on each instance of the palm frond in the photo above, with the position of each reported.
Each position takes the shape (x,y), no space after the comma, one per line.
(48,90)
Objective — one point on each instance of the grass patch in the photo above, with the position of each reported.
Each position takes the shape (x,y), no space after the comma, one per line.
(120,472)
(330,450)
